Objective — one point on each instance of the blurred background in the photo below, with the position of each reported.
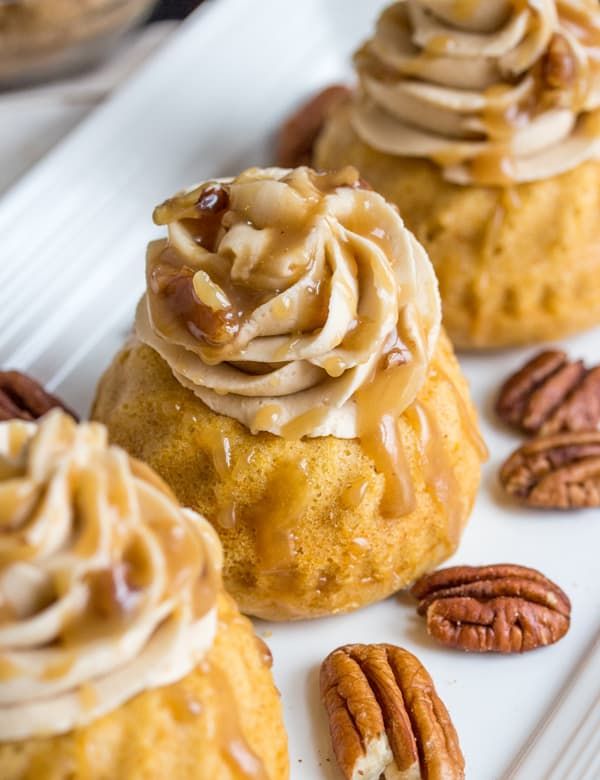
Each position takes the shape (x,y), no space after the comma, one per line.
(59,59)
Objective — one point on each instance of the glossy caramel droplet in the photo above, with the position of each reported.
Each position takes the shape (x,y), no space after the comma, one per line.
(494,168)
(182,704)
(111,595)
(265,652)
(227,516)
(353,495)
(305,423)
(440,44)
(222,454)
(265,417)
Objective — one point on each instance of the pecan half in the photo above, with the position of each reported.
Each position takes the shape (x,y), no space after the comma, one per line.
(551,394)
(555,472)
(385,717)
(21,397)
(502,608)
(176,286)
(298,135)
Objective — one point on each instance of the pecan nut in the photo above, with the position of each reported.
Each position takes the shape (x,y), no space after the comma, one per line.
(555,472)
(502,608)
(386,717)
(559,65)
(298,135)
(550,394)
(22,398)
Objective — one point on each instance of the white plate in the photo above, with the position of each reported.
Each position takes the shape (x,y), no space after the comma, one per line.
(72,238)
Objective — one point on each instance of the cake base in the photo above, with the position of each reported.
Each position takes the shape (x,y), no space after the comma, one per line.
(300,521)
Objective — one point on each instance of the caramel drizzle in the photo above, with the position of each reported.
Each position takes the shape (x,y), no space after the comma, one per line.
(384,446)
(467,416)
(377,417)
(241,760)
(274,518)
(438,468)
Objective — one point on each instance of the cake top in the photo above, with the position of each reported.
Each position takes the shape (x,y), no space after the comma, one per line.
(107,586)
(494,92)
(289,299)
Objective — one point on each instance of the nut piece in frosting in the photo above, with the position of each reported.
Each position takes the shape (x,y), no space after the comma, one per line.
(116,638)
(481,122)
(289,379)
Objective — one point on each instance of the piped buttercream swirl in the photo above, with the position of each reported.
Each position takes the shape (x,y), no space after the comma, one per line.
(280,294)
(107,586)
(493,92)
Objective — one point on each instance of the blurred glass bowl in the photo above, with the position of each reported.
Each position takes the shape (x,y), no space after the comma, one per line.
(42,39)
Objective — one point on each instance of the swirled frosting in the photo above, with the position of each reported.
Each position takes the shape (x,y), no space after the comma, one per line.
(493,92)
(107,586)
(280,295)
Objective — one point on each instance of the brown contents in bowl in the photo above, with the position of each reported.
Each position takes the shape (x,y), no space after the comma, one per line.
(40,38)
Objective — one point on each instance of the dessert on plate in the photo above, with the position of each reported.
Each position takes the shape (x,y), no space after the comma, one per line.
(289,380)
(121,656)
(481,121)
